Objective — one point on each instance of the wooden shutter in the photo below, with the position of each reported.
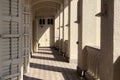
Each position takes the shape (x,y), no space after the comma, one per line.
(10,40)
(26,40)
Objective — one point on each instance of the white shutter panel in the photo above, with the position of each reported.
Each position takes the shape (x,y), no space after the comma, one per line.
(10,40)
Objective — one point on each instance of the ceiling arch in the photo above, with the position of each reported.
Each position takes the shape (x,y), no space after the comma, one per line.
(41,7)
(44,4)
(48,7)
(34,2)
(44,11)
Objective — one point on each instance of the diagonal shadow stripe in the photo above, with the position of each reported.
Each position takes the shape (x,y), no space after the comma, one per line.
(66,72)
(30,78)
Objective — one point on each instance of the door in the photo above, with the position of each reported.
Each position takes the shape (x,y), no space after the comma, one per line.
(10,40)
(45,36)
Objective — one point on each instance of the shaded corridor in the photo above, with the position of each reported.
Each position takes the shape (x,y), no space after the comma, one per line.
(48,64)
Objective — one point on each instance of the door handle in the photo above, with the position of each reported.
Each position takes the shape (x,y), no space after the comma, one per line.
(77,42)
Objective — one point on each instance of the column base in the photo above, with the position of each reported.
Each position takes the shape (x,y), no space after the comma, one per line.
(79,71)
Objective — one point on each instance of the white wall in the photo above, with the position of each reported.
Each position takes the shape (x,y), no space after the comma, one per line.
(116,51)
(91,23)
(116,30)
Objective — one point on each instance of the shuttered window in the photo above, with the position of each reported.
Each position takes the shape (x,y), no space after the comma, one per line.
(10,7)
(50,21)
(10,40)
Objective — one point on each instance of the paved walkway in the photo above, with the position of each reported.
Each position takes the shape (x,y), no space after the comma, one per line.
(48,64)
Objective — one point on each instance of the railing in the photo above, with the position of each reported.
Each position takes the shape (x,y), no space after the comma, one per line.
(91,63)
(57,44)
(66,47)
(60,44)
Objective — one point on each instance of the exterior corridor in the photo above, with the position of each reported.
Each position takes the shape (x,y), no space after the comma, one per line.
(48,64)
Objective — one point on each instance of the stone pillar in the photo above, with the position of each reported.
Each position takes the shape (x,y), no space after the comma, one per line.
(61,27)
(110,43)
(73,32)
(65,27)
(107,40)
(35,35)
(56,29)
(80,58)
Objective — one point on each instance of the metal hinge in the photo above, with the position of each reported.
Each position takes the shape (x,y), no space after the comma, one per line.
(0,36)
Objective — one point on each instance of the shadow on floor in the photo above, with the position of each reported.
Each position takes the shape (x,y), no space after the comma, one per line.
(30,78)
(57,56)
(69,74)
(50,53)
(44,49)
(45,58)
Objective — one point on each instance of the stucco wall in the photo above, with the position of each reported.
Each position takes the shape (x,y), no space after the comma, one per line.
(116,52)
(90,25)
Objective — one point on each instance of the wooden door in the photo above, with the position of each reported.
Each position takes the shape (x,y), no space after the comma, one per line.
(45,36)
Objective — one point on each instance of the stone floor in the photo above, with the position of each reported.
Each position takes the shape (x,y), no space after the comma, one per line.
(48,64)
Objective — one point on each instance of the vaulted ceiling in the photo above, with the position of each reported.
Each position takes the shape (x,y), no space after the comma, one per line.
(46,7)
